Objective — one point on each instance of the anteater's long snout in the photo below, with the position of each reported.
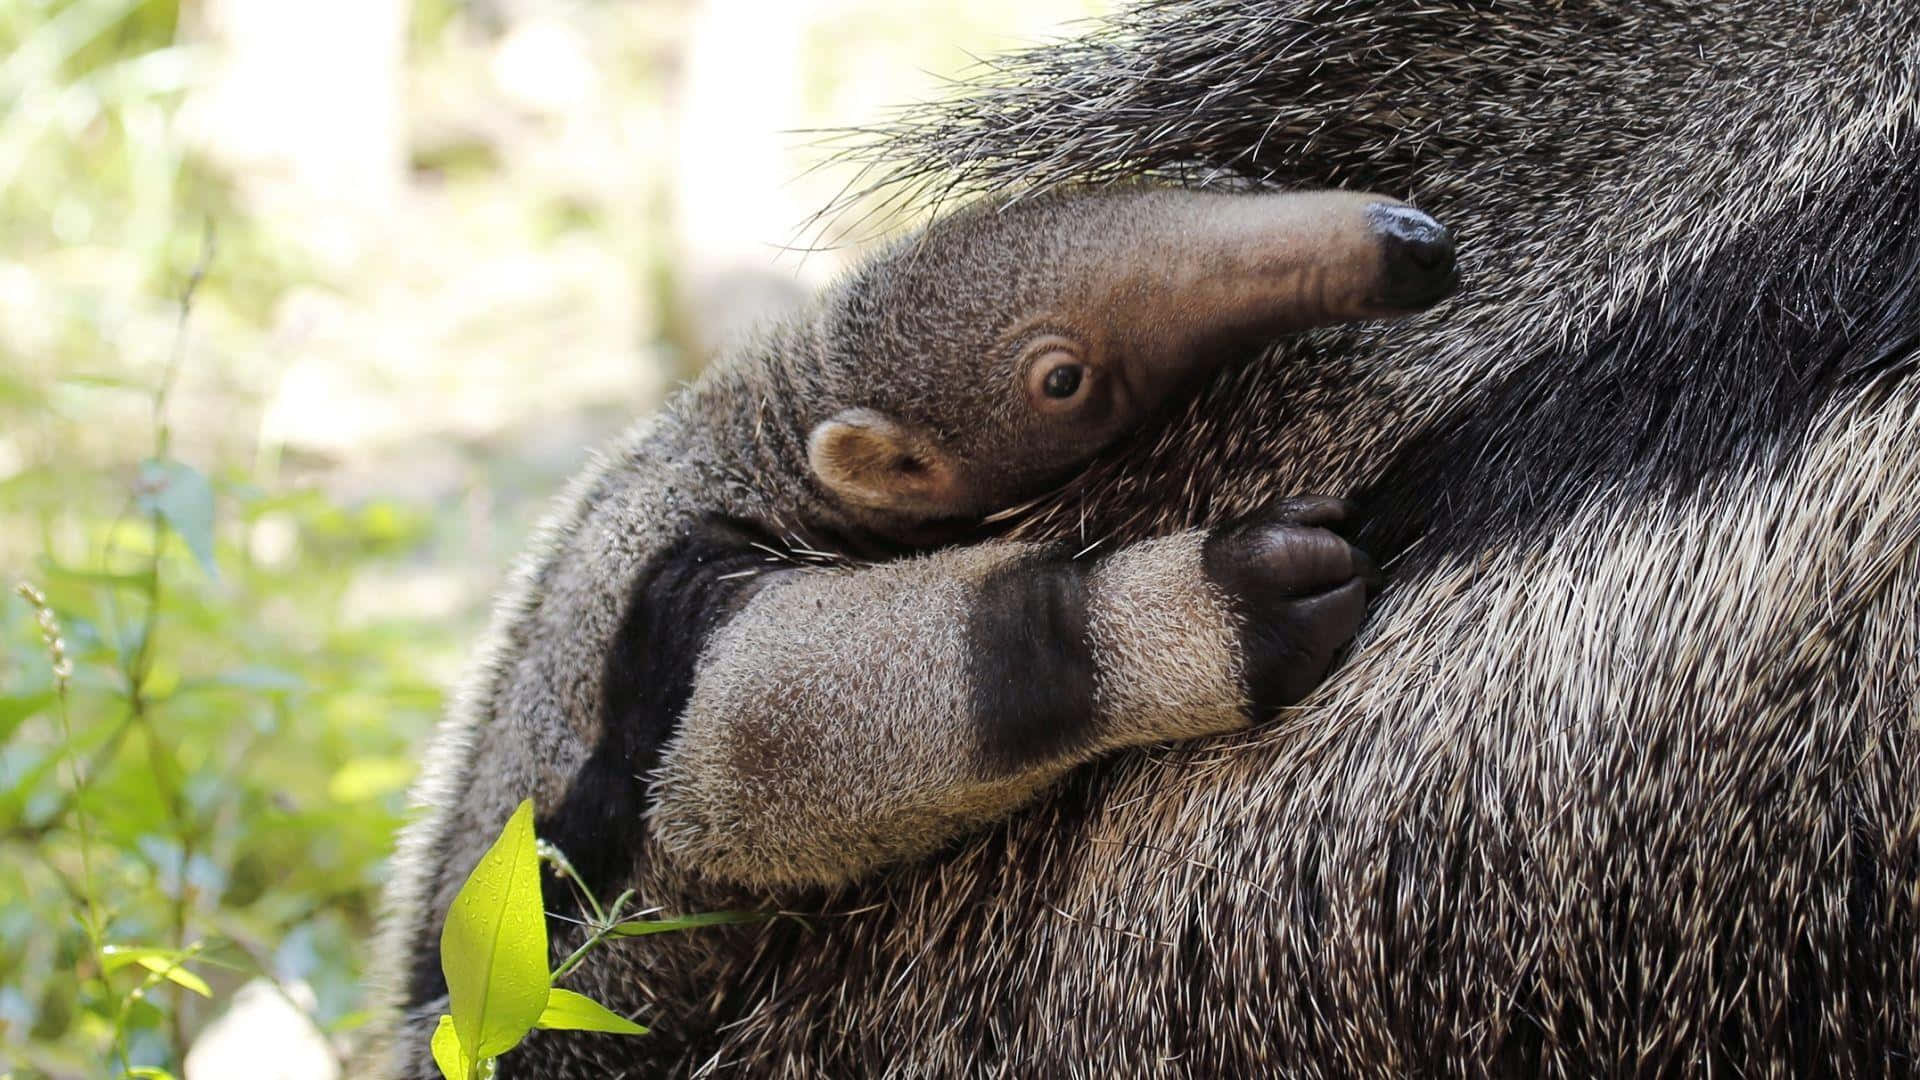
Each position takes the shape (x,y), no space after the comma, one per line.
(1416,260)
(1208,274)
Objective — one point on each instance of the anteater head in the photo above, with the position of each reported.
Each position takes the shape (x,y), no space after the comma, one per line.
(982,361)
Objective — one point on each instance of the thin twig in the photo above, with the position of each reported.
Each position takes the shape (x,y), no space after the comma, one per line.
(141,668)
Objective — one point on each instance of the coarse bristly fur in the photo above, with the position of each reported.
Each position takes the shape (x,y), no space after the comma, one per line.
(1620,780)
(749,654)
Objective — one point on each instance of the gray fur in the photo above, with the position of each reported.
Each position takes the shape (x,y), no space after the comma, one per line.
(1621,778)
(829,728)
(860,752)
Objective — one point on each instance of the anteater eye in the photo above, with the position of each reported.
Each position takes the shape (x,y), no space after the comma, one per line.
(1063,381)
(1059,380)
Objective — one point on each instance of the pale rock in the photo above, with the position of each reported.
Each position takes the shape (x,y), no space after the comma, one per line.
(262,1036)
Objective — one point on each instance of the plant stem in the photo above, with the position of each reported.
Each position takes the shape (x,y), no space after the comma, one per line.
(602,927)
(559,859)
(142,666)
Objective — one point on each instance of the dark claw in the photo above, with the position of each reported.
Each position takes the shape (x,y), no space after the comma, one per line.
(1301,594)
(1304,642)
(1365,570)
(1322,510)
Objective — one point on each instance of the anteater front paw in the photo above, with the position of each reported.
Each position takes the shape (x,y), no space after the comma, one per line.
(1299,591)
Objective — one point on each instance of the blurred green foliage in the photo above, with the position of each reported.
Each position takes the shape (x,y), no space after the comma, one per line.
(234,750)
(209,795)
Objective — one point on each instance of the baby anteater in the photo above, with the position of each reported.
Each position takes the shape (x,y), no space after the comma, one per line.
(974,365)
(969,368)
(672,694)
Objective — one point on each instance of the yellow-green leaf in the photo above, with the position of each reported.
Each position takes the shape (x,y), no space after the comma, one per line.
(116,957)
(147,1072)
(493,948)
(638,927)
(171,971)
(446,1050)
(568,1011)
(165,963)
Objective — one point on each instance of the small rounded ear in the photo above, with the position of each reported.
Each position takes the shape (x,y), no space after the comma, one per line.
(875,462)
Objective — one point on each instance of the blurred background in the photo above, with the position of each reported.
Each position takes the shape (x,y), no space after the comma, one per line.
(306,311)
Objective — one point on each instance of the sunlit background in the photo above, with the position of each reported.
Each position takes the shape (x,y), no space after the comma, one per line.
(441,250)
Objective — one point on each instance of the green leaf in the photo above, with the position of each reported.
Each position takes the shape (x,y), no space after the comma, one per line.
(171,971)
(115,957)
(149,1072)
(165,963)
(638,927)
(184,500)
(568,1011)
(15,708)
(446,1050)
(493,949)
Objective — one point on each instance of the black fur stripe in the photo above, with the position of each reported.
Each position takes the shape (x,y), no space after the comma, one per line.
(1031,662)
(674,605)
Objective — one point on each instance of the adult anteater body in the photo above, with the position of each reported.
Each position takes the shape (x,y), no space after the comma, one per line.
(1621,778)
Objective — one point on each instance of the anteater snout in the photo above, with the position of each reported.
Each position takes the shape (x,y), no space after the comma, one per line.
(1416,258)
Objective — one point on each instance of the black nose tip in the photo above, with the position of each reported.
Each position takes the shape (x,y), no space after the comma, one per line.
(1416,257)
